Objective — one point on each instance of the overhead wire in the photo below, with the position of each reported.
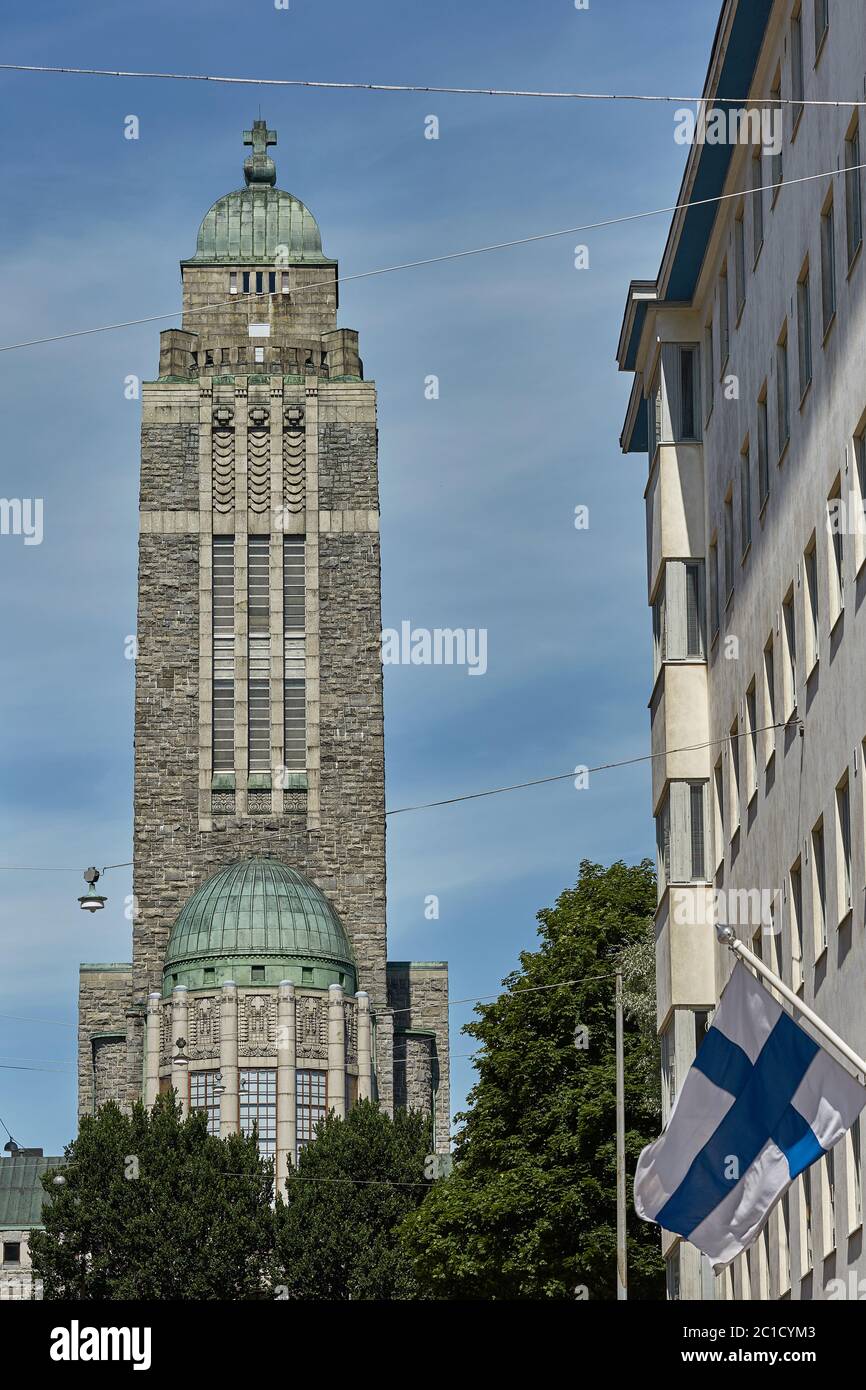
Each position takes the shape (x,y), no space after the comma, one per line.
(428,89)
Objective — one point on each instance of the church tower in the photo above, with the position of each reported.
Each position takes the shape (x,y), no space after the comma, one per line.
(259,986)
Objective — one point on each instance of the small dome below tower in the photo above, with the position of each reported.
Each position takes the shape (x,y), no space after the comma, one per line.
(258,922)
(259,224)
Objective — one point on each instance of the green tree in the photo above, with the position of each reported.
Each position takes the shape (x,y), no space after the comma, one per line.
(530,1210)
(153,1207)
(337,1228)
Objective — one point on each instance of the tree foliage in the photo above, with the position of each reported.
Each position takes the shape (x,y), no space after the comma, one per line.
(530,1209)
(154,1208)
(337,1227)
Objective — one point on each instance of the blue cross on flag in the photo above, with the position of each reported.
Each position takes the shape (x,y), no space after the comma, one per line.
(761,1102)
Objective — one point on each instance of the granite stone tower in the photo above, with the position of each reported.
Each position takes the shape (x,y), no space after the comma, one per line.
(259,985)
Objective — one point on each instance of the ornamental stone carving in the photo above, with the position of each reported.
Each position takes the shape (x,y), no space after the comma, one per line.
(312,1028)
(256,1025)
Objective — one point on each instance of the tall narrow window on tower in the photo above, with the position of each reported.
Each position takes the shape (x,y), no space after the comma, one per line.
(259,611)
(294,696)
(223,653)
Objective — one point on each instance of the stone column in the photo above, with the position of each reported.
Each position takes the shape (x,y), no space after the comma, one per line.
(229,1101)
(287,1124)
(336,1052)
(151,1075)
(180,1034)
(365,1047)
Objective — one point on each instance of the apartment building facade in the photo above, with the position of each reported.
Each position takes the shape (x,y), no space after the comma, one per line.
(749,398)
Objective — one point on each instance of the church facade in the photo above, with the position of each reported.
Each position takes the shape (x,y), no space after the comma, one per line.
(259,986)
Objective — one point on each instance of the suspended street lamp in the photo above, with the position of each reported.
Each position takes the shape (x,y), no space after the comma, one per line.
(91,901)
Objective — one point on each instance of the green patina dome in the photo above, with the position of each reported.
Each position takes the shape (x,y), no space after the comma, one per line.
(259,224)
(258,922)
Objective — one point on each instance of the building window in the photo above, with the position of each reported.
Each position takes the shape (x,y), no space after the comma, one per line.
(769,698)
(654,413)
(679,620)
(697,835)
(695,618)
(672,1276)
(203,1096)
(855,1177)
(233,282)
(719,813)
(272,282)
(783,397)
(688,393)
(11,1252)
(734,755)
(260,282)
(245,282)
(828,265)
(836,552)
(757,200)
(857,521)
(785,1243)
(709,373)
(810,577)
(740,260)
(796,914)
(681,834)
(806,1222)
(659,616)
(729,547)
(763,449)
(751,741)
(259,646)
(829,1212)
(797,85)
(669,1065)
(715,606)
(663,845)
(259,1107)
(724,321)
(819,890)
(745,499)
(789,630)
(351,1091)
(311,1099)
(776,162)
(804,330)
(294,675)
(853,193)
(284,281)
(223,653)
(822,22)
(843,857)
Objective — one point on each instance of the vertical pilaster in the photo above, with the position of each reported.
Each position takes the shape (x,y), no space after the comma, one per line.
(287,1126)
(314,818)
(230,1099)
(278,521)
(205,602)
(336,1052)
(365,1047)
(241,600)
(180,1044)
(151,1077)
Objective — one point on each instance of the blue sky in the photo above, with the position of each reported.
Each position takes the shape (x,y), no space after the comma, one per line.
(478,487)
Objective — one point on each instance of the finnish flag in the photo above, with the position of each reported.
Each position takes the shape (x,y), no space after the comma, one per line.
(761,1102)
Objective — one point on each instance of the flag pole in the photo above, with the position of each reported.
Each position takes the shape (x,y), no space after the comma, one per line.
(728,938)
(621,1265)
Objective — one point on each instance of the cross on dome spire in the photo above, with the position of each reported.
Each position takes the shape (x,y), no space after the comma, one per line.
(259,168)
